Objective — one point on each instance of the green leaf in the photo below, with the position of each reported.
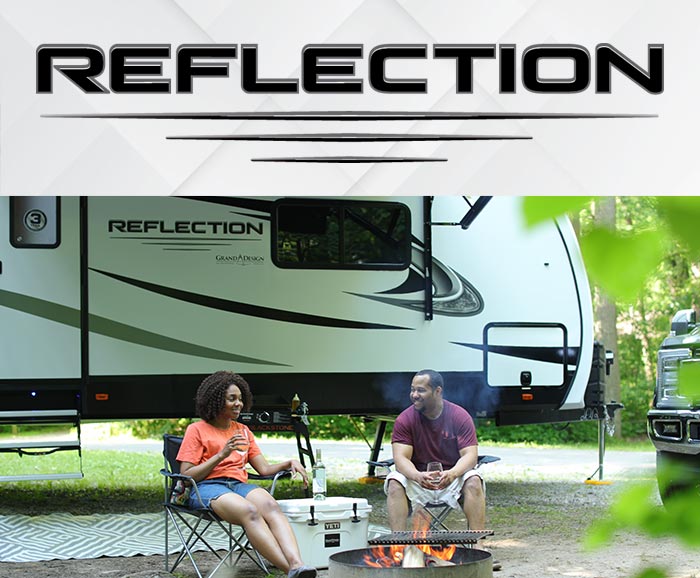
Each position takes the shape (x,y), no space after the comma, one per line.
(689,380)
(682,214)
(632,507)
(539,209)
(651,573)
(682,519)
(621,263)
(600,533)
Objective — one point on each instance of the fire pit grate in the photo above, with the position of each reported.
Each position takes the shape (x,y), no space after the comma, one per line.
(440,538)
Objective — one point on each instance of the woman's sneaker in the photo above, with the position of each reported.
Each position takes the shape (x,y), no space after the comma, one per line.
(302,572)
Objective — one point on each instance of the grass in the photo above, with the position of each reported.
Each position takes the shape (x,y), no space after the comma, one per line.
(114,482)
(117,481)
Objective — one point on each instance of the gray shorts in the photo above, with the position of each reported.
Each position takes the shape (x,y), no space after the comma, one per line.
(419,495)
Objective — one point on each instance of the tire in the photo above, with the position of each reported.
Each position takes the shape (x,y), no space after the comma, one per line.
(676,473)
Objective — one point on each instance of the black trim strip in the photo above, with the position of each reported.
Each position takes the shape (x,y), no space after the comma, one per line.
(348,160)
(84,295)
(246,308)
(202,241)
(578,298)
(257,205)
(346,393)
(185,244)
(371,115)
(348,137)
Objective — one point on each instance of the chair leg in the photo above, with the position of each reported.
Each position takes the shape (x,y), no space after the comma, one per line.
(197,531)
(187,544)
(437,519)
(167,545)
(245,547)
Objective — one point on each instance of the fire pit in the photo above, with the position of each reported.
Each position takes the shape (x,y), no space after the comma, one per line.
(379,562)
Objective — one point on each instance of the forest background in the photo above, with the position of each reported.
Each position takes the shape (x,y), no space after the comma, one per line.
(640,276)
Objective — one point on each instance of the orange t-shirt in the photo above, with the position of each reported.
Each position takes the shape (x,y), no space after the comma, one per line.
(203,441)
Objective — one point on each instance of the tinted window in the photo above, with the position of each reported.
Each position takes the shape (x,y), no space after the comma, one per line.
(342,235)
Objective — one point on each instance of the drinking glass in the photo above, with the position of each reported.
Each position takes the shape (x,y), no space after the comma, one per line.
(434,469)
(243,432)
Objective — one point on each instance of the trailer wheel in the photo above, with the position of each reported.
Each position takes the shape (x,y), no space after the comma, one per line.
(676,473)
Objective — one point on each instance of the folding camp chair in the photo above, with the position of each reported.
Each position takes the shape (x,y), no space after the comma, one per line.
(191,524)
(438,511)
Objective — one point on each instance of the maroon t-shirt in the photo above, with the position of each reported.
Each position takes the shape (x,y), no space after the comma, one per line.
(435,440)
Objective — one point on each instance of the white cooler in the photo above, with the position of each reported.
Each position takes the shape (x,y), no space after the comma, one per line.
(324,527)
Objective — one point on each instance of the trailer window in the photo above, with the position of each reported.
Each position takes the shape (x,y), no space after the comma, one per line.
(342,235)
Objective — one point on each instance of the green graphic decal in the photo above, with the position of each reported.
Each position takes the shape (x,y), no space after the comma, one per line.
(103,326)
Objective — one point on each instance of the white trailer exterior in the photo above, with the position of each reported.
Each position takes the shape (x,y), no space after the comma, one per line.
(119,306)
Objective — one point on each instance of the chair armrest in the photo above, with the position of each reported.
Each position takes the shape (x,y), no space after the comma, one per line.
(174,477)
(383,463)
(388,463)
(277,476)
(481,460)
(274,477)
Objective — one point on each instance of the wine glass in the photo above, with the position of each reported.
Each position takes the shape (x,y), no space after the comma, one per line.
(434,469)
(244,433)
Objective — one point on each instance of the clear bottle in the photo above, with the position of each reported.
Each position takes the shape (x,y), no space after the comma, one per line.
(318,476)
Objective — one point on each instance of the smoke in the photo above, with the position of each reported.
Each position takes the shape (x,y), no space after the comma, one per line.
(395,390)
(469,389)
(465,388)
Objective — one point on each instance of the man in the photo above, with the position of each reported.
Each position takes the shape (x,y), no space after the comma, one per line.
(434,429)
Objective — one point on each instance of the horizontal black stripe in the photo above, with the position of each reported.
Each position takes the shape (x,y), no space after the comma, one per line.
(362,393)
(348,137)
(258,205)
(349,160)
(540,353)
(372,115)
(246,308)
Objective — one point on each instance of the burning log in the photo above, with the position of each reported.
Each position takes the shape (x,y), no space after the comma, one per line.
(466,563)
(413,558)
(435,561)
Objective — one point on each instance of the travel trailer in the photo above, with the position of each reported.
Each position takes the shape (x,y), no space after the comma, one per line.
(117,307)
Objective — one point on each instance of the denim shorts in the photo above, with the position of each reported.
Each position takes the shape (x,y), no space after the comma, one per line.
(215,487)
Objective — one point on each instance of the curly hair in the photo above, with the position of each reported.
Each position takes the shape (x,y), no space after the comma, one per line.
(210,398)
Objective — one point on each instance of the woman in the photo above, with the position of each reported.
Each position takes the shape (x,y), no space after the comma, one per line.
(215,452)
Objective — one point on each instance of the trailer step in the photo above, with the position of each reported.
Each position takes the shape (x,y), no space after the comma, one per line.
(41,477)
(20,445)
(39,416)
(34,446)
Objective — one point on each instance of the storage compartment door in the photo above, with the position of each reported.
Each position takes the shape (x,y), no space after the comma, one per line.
(523,354)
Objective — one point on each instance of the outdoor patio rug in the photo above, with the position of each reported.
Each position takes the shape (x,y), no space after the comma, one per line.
(64,536)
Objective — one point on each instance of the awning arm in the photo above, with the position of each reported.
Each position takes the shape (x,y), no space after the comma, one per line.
(474,211)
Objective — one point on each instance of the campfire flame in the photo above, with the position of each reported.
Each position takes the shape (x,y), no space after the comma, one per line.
(383,557)
(386,557)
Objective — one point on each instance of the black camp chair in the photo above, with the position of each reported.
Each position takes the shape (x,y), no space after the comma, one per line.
(191,524)
(438,511)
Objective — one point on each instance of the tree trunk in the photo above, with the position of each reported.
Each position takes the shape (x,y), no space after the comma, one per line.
(605,312)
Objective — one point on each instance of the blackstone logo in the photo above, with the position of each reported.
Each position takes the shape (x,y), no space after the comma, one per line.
(240,259)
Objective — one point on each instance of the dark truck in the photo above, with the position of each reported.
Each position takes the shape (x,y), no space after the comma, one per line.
(673,423)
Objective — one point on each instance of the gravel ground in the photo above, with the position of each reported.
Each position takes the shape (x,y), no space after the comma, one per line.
(538,517)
